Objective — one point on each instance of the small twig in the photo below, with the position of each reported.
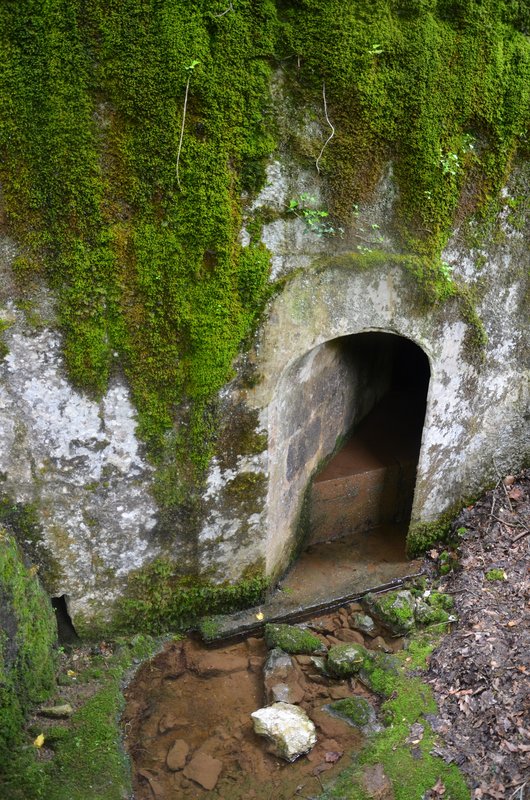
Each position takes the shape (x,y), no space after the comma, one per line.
(182,127)
(189,70)
(518,791)
(521,536)
(230,8)
(491,514)
(332,134)
(501,481)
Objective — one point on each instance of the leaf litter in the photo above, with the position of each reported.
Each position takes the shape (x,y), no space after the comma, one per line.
(480,672)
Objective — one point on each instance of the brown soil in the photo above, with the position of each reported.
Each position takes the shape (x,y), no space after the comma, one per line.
(204,698)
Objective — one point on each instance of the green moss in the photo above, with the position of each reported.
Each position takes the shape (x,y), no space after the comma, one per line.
(412,768)
(422,535)
(356,710)
(28,634)
(22,520)
(445,99)
(496,575)
(380,674)
(159,598)
(88,761)
(150,267)
(394,609)
(345,660)
(292,639)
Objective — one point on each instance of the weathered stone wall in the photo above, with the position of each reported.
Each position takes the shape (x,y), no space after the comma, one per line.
(208,217)
(75,461)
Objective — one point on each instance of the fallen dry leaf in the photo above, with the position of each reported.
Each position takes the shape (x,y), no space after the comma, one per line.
(438,788)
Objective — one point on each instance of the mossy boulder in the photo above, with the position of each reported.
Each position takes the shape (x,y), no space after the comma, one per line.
(357,712)
(292,639)
(380,674)
(394,610)
(347,659)
(434,608)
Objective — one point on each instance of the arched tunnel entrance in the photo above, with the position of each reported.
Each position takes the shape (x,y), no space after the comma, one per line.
(370,480)
(351,418)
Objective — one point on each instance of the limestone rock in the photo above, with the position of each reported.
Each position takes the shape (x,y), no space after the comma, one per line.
(347,659)
(204,770)
(285,693)
(288,727)
(177,755)
(281,678)
(292,639)
(364,623)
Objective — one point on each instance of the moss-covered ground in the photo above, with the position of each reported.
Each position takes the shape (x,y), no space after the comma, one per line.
(407,760)
(82,758)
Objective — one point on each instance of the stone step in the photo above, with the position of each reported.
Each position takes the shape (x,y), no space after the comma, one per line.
(360,502)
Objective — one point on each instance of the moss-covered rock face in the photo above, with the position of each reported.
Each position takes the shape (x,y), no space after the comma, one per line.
(292,639)
(357,711)
(28,633)
(395,610)
(348,659)
(135,143)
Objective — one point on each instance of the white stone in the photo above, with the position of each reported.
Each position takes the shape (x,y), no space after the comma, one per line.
(288,727)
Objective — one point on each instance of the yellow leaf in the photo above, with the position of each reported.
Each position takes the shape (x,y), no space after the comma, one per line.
(71,673)
(39,741)
(259,615)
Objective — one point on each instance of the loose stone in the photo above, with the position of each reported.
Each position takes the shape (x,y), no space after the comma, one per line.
(204,770)
(177,755)
(347,659)
(292,639)
(288,727)
(364,623)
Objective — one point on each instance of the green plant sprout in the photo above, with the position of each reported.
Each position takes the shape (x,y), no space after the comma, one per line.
(189,70)
(314,218)
(449,163)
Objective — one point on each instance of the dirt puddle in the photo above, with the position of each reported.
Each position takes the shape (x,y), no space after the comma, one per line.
(201,699)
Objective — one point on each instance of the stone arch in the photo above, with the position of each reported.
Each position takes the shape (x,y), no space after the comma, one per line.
(318,308)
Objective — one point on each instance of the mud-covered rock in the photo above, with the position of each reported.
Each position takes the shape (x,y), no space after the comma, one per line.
(347,659)
(292,639)
(395,610)
(376,784)
(177,755)
(288,728)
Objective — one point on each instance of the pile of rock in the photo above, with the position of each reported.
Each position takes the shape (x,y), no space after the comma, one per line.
(346,646)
